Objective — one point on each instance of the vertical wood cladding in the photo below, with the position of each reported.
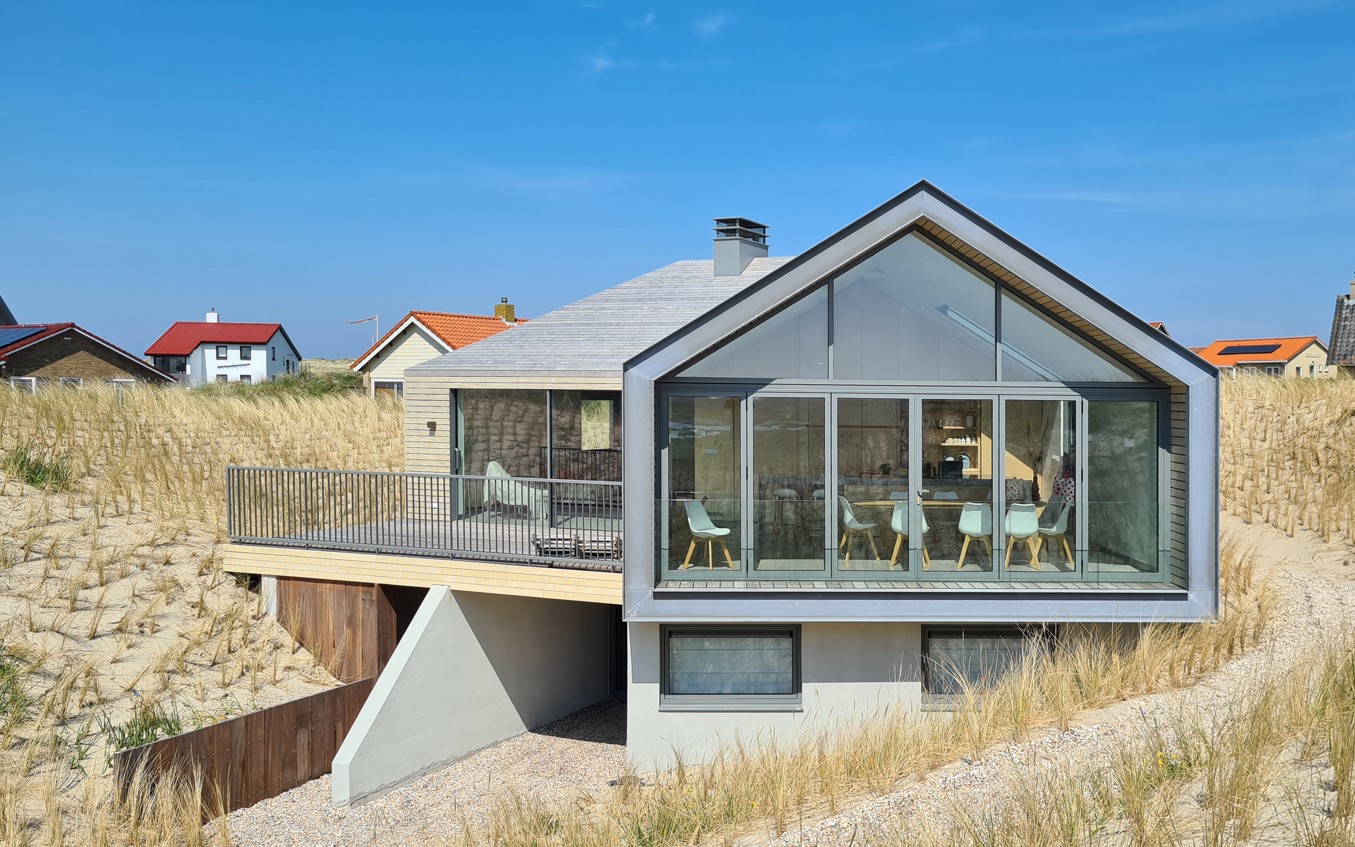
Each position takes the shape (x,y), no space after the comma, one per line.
(352,628)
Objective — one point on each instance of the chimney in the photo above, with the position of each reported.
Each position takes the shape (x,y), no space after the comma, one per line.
(738,241)
(1352,289)
(212,316)
(505,312)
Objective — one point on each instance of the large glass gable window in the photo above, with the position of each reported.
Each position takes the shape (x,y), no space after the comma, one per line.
(792,344)
(1036,349)
(912,312)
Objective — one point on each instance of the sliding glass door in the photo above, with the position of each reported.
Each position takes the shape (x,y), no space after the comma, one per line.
(701,501)
(875,495)
(1125,540)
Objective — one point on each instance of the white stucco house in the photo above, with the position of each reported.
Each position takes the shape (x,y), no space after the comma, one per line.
(212,350)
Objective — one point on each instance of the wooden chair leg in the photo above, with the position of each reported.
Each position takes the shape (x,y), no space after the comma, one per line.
(728,558)
(926,558)
(1072,563)
(875,551)
(848,536)
(1008,557)
(710,555)
(1034,553)
(964,550)
(842,542)
(687,562)
(894,559)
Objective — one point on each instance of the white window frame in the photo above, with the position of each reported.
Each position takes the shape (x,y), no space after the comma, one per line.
(122,381)
(24,383)
(71,382)
(1274,370)
(397,385)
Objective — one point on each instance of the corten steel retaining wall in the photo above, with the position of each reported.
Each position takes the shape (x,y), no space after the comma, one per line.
(252,757)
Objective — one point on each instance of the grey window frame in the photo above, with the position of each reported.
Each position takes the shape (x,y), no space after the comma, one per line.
(731,702)
(222,352)
(246,379)
(223,378)
(1046,632)
(246,353)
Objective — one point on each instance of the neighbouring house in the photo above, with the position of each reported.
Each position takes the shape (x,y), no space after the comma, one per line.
(212,350)
(1295,357)
(35,355)
(1159,326)
(1341,348)
(753,496)
(420,336)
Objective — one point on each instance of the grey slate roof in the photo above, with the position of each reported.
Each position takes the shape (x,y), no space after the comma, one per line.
(6,316)
(1341,350)
(600,333)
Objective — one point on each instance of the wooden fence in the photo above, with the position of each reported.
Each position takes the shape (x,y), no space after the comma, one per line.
(252,757)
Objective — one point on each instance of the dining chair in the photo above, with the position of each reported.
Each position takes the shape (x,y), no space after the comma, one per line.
(1023,524)
(704,529)
(899,523)
(976,521)
(1054,525)
(851,527)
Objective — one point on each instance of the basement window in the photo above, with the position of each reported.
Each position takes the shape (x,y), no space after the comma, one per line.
(730,668)
(956,658)
(24,383)
(72,382)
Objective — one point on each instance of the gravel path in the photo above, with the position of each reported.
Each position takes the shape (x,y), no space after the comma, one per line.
(577,754)
(1315,590)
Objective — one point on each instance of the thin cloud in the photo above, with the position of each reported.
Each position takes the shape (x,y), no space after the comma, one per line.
(645,22)
(710,26)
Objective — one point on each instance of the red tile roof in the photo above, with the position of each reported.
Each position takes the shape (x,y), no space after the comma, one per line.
(454,330)
(185,336)
(1254,350)
(46,331)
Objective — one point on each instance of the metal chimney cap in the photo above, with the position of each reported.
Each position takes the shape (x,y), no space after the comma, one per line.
(745,228)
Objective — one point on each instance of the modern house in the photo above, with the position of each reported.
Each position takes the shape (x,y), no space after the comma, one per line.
(420,336)
(1341,348)
(753,496)
(63,354)
(211,350)
(1294,357)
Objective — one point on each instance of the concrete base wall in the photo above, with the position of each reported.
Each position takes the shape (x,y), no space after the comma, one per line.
(848,670)
(471,670)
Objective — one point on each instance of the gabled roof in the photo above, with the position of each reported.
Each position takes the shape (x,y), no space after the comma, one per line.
(972,238)
(453,330)
(1236,351)
(6,316)
(598,334)
(16,338)
(184,337)
(1341,350)
(1159,326)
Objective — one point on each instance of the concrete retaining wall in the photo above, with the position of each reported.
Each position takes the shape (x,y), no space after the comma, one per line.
(471,670)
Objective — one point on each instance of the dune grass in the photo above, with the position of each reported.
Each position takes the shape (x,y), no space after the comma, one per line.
(1287,453)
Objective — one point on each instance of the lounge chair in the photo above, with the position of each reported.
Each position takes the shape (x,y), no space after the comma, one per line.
(502,490)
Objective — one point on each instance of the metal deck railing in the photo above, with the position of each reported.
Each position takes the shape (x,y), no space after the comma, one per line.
(490,518)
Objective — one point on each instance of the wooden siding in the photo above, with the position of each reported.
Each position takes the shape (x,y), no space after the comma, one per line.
(425,571)
(1179,446)
(349,627)
(413,346)
(253,757)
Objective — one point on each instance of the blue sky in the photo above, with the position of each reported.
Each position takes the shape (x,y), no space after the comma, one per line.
(312,163)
